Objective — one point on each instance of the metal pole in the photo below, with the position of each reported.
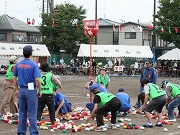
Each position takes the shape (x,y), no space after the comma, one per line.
(95,19)
(90,69)
(43,7)
(154,35)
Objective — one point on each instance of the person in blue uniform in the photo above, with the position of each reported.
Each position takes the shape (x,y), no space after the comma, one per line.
(91,85)
(26,87)
(125,101)
(149,73)
(62,106)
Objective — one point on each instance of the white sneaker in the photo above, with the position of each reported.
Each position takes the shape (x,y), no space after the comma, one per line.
(101,128)
(173,120)
(113,126)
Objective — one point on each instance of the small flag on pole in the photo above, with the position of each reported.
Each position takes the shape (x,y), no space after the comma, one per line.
(133,29)
(114,29)
(139,28)
(120,27)
(77,26)
(169,30)
(53,23)
(2,19)
(28,21)
(33,21)
(176,30)
(162,30)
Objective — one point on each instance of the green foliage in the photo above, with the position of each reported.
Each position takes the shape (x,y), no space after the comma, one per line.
(68,29)
(167,18)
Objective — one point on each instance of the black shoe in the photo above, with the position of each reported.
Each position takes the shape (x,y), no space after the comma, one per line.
(159,125)
(148,126)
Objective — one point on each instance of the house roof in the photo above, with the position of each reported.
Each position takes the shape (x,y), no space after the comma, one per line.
(13,24)
(115,51)
(171,55)
(107,22)
(8,49)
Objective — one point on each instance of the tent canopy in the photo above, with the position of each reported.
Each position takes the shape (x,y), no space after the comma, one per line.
(8,49)
(174,54)
(115,51)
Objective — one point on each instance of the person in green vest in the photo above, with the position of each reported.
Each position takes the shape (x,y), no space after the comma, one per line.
(157,99)
(173,98)
(104,102)
(48,80)
(9,90)
(103,78)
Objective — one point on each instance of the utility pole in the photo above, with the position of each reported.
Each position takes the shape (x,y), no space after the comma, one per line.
(43,7)
(5,5)
(95,19)
(154,35)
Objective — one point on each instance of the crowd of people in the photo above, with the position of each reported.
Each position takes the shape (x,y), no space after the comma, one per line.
(37,88)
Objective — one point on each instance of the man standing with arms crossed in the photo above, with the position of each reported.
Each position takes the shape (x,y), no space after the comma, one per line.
(28,75)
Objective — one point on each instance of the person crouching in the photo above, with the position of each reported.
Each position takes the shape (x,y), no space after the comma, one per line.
(104,102)
(62,106)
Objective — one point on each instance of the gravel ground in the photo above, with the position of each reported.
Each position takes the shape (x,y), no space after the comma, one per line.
(73,89)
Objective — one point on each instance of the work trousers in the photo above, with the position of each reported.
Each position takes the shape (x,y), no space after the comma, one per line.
(9,98)
(46,99)
(27,108)
(112,106)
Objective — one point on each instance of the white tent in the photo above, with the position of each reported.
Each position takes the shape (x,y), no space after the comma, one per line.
(115,51)
(8,49)
(171,55)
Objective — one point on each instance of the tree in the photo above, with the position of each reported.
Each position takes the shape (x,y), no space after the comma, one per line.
(67,30)
(167,21)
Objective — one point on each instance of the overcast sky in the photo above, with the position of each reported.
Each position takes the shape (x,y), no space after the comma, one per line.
(116,10)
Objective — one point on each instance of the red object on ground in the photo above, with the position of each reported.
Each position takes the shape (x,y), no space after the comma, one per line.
(154,117)
(73,130)
(136,127)
(170,123)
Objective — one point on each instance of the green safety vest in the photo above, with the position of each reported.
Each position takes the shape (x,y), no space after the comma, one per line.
(9,73)
(155,91)
(175,89)
(103,81)
(105,97)
(46,83)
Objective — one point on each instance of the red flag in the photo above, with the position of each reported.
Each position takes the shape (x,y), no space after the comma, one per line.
(28,21)
(176,30)
(77,26)
(33,21)
(140,28)
(162,30)
(114,29)
(120,27)
(149,26)
(53,24)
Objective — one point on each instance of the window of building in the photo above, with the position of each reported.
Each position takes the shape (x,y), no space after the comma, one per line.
(18,38)
(3,36)
(130,35)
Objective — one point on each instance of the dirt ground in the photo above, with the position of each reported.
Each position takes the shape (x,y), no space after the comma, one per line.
(73,89)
